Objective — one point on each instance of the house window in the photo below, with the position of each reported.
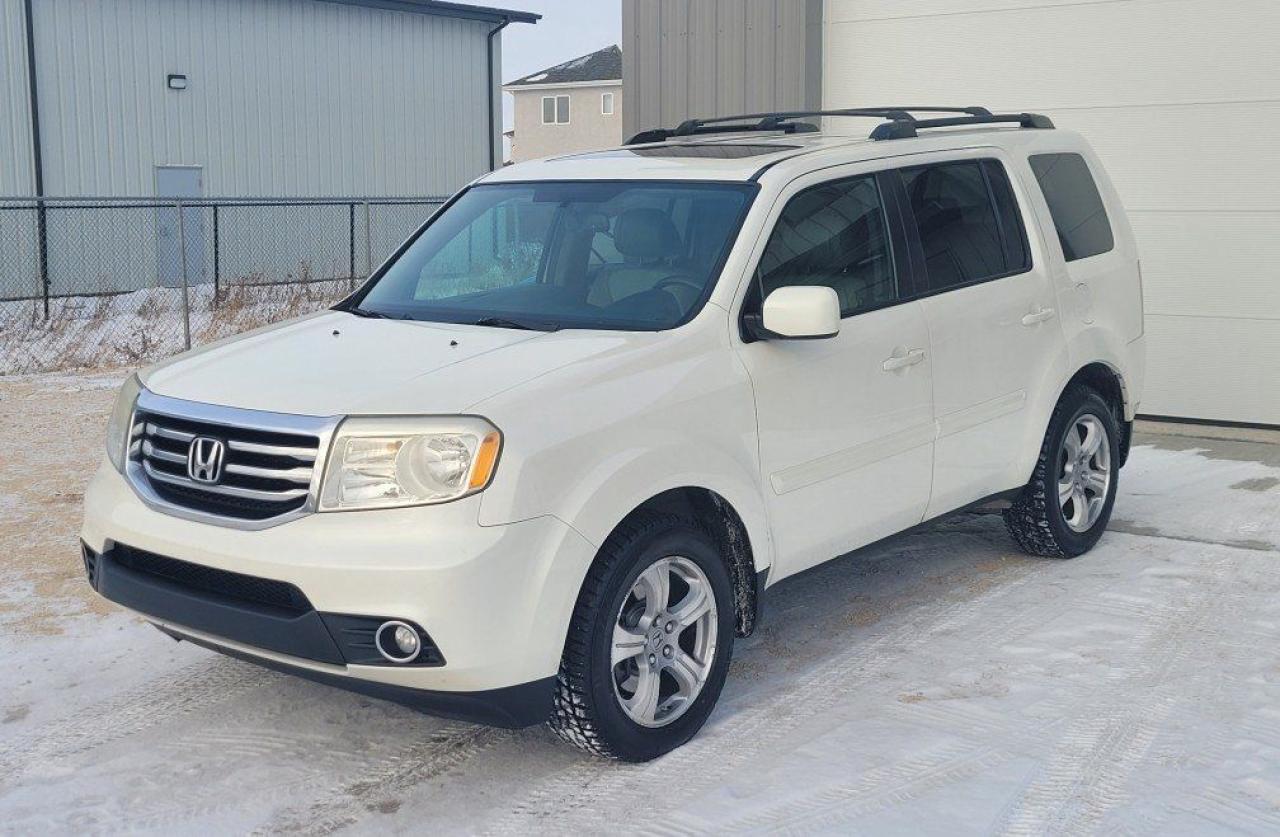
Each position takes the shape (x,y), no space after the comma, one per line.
(555,110)
(606,104)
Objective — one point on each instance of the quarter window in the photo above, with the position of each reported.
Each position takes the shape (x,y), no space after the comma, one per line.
(969,224)
(834,235)
(1077,209)
(555,110)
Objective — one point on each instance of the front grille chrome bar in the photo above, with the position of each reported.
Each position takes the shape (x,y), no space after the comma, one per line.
(167,433)
(299,475)
(150,451)
(224,490)
(302,454)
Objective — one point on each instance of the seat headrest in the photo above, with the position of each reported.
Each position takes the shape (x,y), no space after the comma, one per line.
(646,234)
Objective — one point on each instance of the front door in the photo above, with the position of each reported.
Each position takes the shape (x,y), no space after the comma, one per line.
(845,423)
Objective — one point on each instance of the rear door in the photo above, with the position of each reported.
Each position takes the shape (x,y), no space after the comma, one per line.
(990,308)
(845,423)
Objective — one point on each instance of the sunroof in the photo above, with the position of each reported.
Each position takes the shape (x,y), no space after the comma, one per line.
(721,151)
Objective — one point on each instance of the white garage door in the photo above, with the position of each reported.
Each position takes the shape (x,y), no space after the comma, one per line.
(1181,98)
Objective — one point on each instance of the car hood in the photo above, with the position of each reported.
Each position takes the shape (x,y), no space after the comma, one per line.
(338,364)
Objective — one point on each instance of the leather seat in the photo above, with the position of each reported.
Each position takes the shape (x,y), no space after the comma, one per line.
(651,245)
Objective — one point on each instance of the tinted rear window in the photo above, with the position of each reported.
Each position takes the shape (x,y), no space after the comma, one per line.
(969,224)
(1078,212)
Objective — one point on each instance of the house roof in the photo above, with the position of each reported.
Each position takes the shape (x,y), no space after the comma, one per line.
(435,7)
(601,65)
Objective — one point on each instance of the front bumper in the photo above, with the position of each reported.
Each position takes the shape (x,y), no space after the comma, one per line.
(495,600)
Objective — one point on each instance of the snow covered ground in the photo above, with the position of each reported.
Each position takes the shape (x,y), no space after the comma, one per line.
(942,683)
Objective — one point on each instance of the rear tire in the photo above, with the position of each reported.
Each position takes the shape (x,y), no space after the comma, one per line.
(645,659)
(1065,508)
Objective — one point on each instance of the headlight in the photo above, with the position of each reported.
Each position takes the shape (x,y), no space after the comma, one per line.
(121,417)
(384,462)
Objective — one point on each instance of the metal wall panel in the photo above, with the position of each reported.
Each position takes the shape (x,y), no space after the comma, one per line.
(1181,99)
(284,97)
(683,58)
(16,173)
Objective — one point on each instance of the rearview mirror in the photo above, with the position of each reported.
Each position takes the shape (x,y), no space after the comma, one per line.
(800,312)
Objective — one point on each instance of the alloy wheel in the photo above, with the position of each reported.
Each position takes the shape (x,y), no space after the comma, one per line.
(664,642)
(1084,474)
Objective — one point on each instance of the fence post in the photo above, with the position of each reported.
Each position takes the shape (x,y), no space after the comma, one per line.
(186,303)
(351,233)
(42,234)
(217,267)
(368,240)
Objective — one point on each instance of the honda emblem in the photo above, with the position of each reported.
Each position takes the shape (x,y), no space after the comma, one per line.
(204,459)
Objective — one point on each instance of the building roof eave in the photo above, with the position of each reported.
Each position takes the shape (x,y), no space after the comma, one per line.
(488,14)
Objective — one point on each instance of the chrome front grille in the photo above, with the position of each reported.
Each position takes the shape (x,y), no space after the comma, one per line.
(268,462)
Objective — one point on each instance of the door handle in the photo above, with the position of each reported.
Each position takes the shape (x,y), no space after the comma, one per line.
(911,358)
(1039,316)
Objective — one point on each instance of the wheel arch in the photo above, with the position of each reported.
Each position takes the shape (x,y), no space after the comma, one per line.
(1107,381)
(711,511)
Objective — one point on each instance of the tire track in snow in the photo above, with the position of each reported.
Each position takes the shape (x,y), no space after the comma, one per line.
(574,798)
(1232,813)
(345,803)
(152,703)
(288,763)
(874,790)
(1109,738)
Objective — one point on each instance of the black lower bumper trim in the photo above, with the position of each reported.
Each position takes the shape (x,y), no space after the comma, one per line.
(295,634)
(512,707)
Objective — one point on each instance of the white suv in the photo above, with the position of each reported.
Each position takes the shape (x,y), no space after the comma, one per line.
(545,463)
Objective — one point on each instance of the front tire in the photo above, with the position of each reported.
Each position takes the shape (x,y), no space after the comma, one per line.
(650,642)
(1066,506)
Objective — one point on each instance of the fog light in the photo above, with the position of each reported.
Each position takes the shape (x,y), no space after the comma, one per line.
(406,641)
(398,642)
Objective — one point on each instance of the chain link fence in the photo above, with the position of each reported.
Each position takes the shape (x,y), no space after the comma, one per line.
(89,283)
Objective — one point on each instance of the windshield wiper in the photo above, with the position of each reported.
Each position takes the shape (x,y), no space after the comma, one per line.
(374,315)
(503,322)
(364,312)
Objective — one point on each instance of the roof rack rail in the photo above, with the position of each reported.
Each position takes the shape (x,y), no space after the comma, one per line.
(901,122)
(906,129)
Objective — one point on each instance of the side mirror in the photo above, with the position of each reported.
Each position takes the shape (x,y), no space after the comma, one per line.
(798,312)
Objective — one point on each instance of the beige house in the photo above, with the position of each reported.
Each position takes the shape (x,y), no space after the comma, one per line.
(574,106)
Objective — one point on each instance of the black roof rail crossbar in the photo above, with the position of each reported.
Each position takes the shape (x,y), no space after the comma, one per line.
(901,123)
(777,121)
(664,134)
(909,129)
(772,120)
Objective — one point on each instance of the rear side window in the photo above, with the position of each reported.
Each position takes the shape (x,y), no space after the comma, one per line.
(834,235)
(969,224)
(1077,209)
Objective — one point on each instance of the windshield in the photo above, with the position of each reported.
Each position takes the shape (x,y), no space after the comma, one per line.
(638,256)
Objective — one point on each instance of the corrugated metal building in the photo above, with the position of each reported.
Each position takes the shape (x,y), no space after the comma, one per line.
(684,58)
(249,97)
(1181,98)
